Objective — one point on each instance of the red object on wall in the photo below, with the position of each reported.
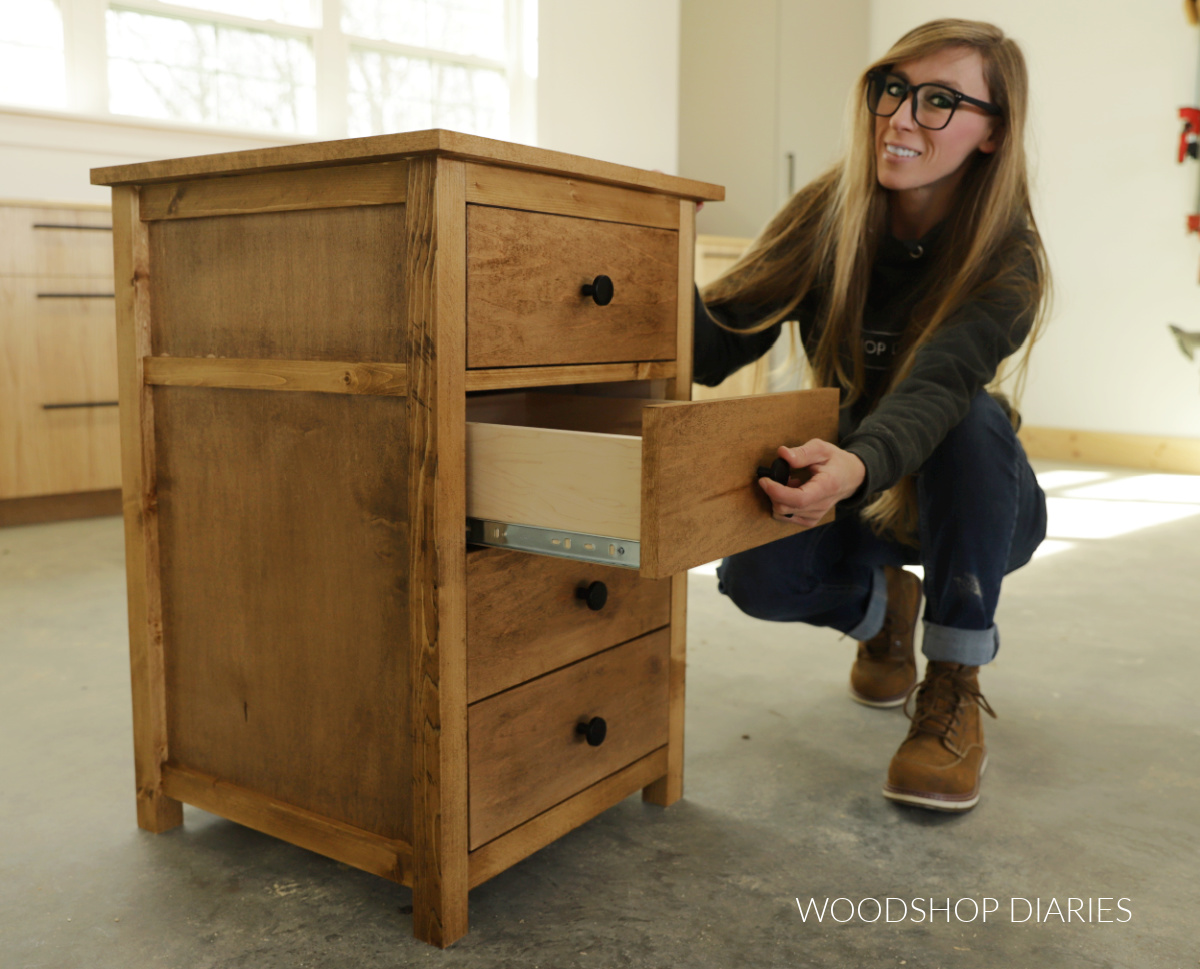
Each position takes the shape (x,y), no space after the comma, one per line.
(1189,146)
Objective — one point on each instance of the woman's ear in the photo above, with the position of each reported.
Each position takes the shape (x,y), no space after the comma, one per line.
(995,136)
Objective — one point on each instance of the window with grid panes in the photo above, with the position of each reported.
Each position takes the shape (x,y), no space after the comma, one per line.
(322,67)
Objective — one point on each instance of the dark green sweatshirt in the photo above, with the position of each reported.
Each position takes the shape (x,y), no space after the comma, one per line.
(891,433)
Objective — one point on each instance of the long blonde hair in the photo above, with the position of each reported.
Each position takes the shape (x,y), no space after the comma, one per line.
(825,239)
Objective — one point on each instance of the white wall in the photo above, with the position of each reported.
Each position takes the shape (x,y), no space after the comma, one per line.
(1107,78)
(608,80)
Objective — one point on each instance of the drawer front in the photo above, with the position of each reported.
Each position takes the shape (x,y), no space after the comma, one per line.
(525,275)
(524,752)
(682,494)
(56,242)
(525,616)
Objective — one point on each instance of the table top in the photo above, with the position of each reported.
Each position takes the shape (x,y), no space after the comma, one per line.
(437,141)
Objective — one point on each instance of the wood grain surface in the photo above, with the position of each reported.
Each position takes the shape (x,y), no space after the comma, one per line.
(525,619)
(700,497)
(581,482)
(434,281)
(324,284)
(525,753)
(156,811)
(314,376)
(283,540)
(380,856)
(505,851)
(515,189)
(503,378)
(385,183)
(389,147)
(524,277)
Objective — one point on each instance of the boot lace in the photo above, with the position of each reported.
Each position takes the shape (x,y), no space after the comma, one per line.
(941,700)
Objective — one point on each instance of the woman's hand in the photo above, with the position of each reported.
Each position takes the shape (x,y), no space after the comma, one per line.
(836,475)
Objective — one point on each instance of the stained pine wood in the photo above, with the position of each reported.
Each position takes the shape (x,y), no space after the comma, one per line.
(434,281)
(505,851)
(323,284)
(54,508)
(524,280)
(525,753)
(314,376)
(667,788)
(318,188)
(509,377)
(380,856)
(690,518)
(282,523)
(566,412)
(514,189)
(156,811)
(577,481)
(681,387)
(525,619)
(388,147)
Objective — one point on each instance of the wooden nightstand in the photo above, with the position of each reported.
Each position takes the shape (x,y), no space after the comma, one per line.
(339,362)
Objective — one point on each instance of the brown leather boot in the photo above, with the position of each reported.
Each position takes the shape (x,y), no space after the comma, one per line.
(943,757)
(884,672)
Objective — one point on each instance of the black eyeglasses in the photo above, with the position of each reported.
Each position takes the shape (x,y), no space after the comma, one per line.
(933,104)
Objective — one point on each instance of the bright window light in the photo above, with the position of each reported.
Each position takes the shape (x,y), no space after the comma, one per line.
(1065,479)
(32,62)
(472,27)
(1091,518)
(303,13)
(1145,487)
(209,73)
(390,92)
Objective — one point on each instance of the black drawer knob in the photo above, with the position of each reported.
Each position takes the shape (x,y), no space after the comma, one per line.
(600,289)
(595,595)
(594,731)
(779,472)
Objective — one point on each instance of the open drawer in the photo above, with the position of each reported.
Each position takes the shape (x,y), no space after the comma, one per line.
(660,486)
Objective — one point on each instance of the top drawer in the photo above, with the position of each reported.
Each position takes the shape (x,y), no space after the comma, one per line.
(56,242)
(526,272)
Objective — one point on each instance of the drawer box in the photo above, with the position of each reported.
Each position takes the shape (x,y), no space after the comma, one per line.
(525,275)
(524,752)
(525,619)
(577,477)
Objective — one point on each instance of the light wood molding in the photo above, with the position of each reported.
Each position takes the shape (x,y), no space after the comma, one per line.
(1180,455)
(316,376)
(388,858)
(412,143)
(54,508)
(534,192)
(385,183)
(573,480)
(507,378)
(494,857)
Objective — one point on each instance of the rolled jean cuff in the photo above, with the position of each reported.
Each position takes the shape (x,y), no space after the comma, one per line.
(971,647)
(872,622)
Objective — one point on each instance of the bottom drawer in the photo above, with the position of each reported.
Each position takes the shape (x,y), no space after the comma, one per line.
(525,753)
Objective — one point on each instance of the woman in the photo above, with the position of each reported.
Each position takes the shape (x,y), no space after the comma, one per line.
(914,268)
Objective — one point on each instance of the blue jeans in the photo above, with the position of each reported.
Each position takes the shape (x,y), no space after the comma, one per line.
(982,515)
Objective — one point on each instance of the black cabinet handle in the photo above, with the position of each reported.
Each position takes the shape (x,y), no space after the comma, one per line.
(779,471)
(86,403)
(63,225)
(594,731)
(595,595)
(599,289)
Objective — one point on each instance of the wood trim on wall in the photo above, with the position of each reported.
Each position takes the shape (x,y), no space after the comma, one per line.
(1180,455)
(35,509)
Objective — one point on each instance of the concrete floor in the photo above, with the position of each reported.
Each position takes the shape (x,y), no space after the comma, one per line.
(1093,791)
